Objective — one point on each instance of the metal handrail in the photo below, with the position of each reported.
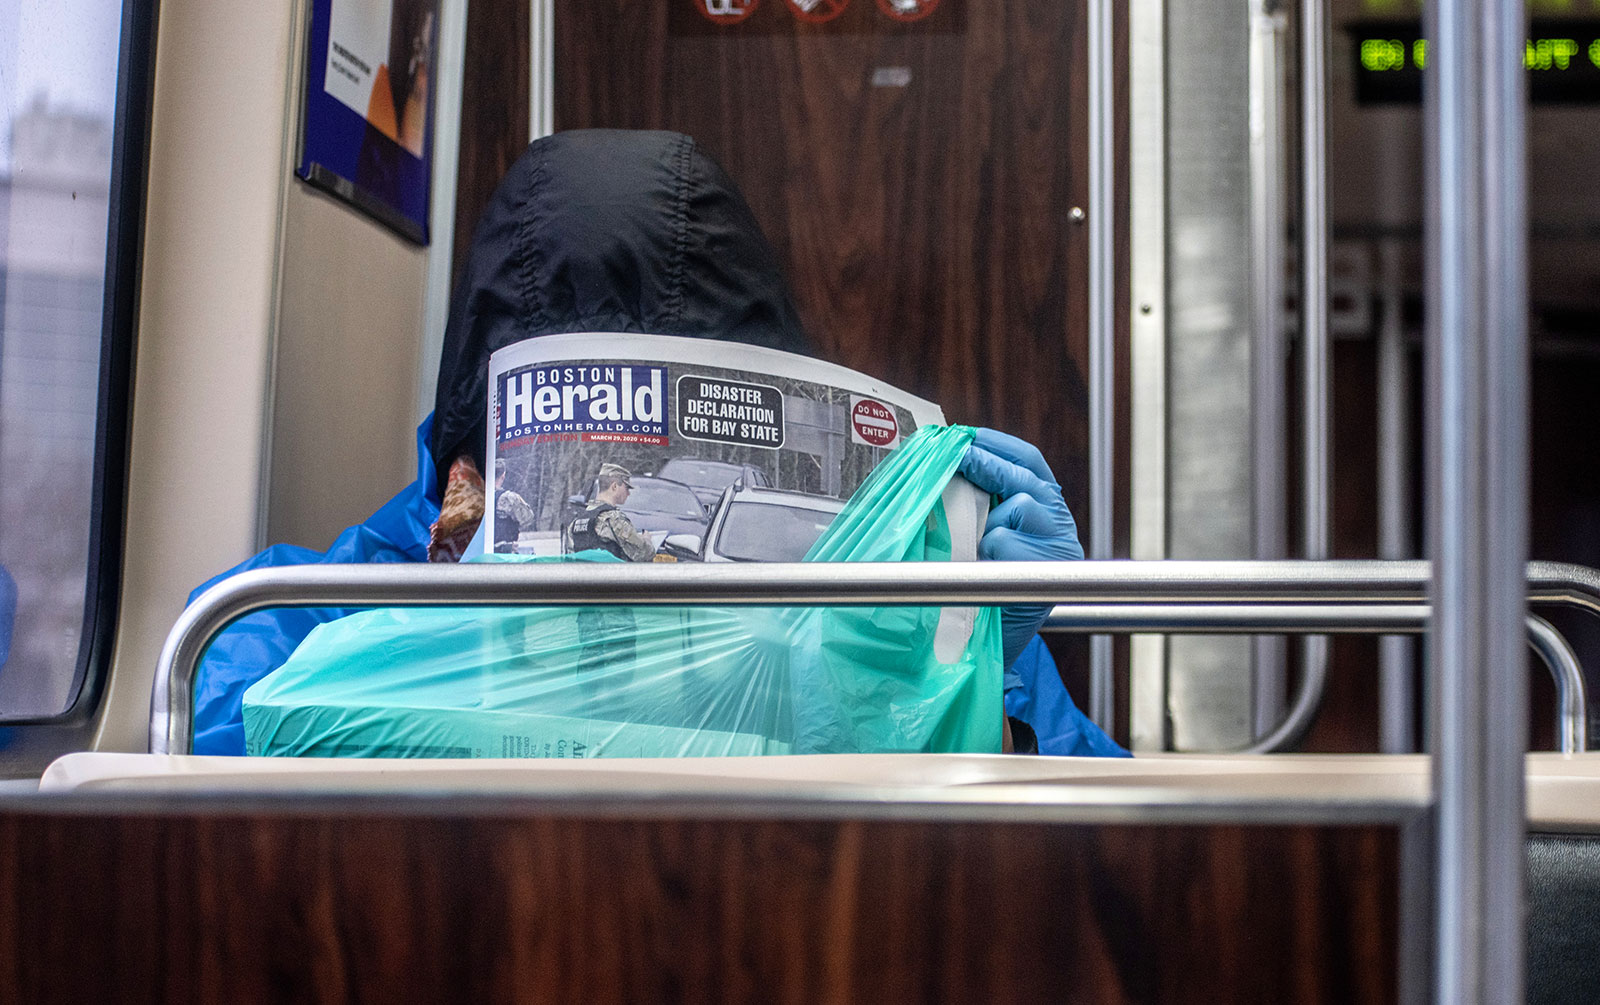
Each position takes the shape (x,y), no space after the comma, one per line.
(1072,585)
(1352,617)
(1572,701)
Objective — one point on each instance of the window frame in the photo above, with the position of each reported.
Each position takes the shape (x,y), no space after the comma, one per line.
(119,322)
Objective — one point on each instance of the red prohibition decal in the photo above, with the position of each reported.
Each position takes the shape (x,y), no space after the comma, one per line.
(908,10)
(873,421)
(725,11)
(817,11)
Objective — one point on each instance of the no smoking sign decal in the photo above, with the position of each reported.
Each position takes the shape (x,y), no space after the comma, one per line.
(726,11)
(908,10)
(817,11)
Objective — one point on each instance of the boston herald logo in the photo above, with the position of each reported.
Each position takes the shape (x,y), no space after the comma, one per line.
(602,401)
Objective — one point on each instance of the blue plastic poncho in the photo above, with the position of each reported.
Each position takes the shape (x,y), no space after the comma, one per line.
(1035,694)
(257,644)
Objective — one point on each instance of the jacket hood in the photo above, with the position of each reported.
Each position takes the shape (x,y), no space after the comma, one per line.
(606,230)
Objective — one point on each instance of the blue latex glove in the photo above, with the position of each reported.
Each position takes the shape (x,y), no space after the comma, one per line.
(1031,522)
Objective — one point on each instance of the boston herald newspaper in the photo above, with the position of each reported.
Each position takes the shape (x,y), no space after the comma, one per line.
(670,449)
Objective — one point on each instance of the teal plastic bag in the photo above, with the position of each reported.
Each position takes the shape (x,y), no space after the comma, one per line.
(662,682)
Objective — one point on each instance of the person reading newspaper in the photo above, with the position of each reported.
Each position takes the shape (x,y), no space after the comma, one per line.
(642,232)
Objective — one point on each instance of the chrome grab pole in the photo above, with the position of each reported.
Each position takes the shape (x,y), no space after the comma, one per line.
(1081,584)
(1268,343)
(1316,423)
(1397,676)
(541,68)
(1476,249)
(1102,336)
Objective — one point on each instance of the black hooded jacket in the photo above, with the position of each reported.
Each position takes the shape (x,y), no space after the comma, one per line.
(606,231)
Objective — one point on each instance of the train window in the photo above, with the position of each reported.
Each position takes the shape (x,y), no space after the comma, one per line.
(74,91)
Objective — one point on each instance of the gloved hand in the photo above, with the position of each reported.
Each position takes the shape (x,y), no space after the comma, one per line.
(1031,522)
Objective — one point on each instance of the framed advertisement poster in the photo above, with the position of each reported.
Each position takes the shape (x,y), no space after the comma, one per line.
(366,131)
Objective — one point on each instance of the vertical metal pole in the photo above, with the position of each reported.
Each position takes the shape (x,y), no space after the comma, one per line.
(446,78)
(1147,364)
(1268,351)
(1316,423)
(1102,336)
(1477,331)
(541,68)
(1396,653)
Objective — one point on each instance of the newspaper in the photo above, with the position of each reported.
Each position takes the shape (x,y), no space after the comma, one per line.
(713,451)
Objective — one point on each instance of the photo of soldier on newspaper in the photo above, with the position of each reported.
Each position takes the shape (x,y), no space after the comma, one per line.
(656,449)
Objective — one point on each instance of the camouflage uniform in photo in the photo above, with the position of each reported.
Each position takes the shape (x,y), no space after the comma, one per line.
(512,515)
(607,528)
(606,633)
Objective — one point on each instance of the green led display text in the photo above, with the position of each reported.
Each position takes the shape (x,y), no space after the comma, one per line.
(1540,54)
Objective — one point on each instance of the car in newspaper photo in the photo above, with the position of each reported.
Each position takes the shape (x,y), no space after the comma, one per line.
(758,525)
(710,479)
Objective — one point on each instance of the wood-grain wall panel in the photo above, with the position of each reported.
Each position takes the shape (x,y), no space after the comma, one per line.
(494,109)
(925,227)
(435,908)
